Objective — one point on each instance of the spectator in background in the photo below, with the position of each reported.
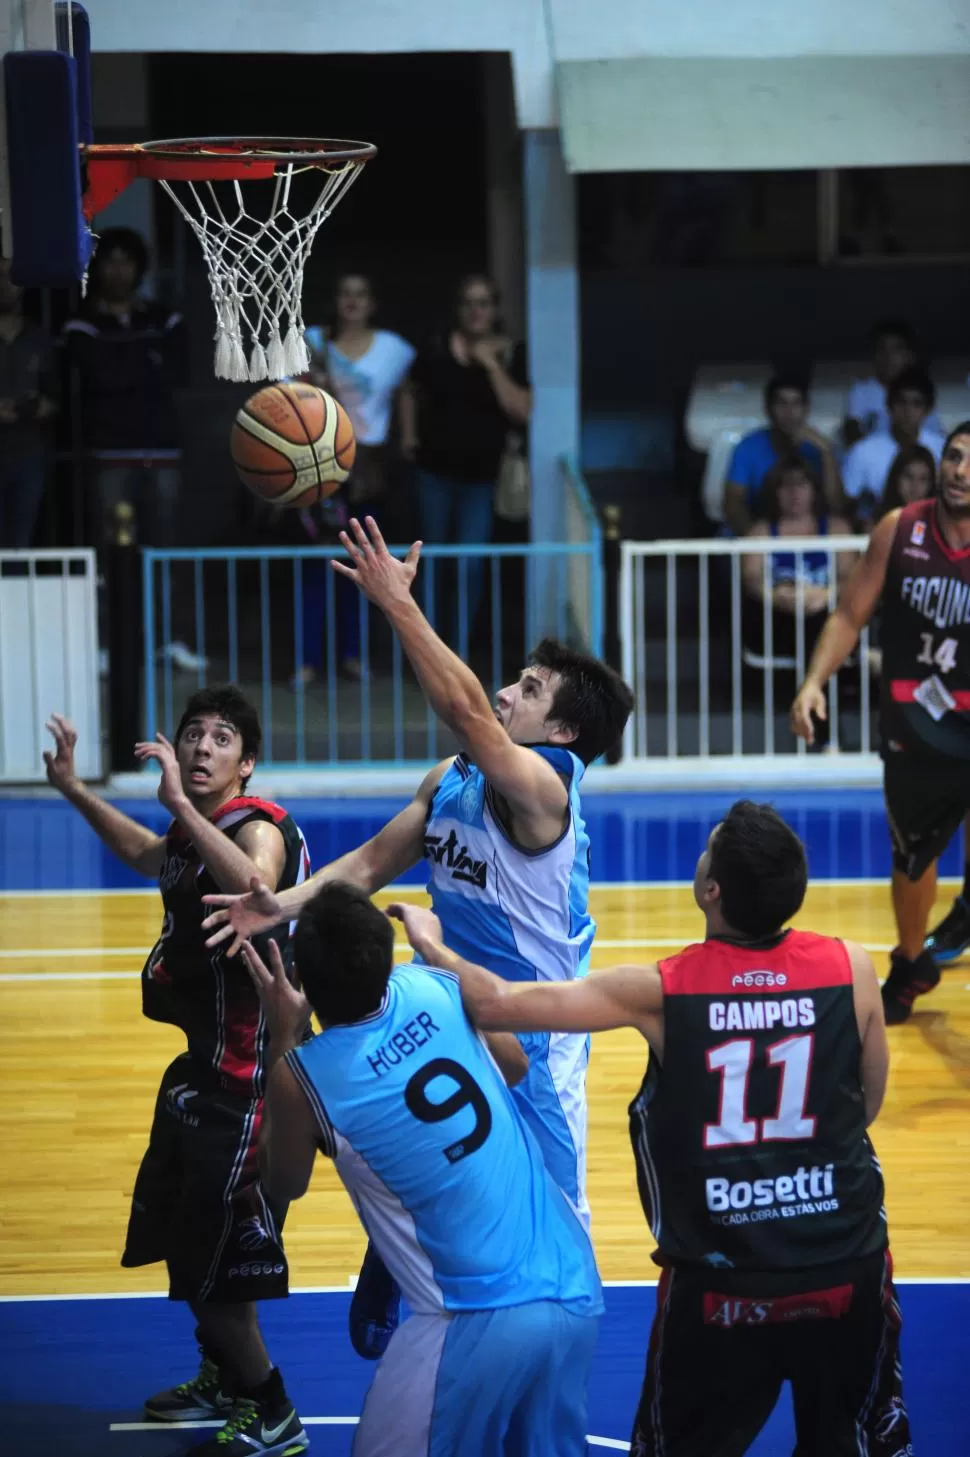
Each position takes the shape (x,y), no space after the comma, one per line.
(866,470)
(466,392)
(912,477)
(867,409)
(787,434)
(28,394)
(129,354)
(794,504)
(364,368)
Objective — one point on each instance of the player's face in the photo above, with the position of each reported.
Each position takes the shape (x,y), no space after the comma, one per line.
(355,304)
(787,411)
(955,476)
(523,707)
(211,758)
(909,410)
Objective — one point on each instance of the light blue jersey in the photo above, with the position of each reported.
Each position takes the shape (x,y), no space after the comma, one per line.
(449,1184)
(522,914)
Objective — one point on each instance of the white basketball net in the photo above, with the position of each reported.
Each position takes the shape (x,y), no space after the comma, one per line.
(256,267)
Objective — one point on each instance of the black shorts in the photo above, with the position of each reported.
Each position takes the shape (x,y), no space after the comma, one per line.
(926,800)
(198,1203)
(717,1362)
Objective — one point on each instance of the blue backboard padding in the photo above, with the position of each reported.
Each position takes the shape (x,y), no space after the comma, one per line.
(51,244)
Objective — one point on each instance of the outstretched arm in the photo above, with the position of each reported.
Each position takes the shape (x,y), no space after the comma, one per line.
(378,862)
(133,843)
(527,781)
(624,996)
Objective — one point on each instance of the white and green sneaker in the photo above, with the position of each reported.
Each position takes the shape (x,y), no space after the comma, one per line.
(197,1400)
(256,1430)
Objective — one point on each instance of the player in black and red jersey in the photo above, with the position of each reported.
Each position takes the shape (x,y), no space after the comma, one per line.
(198,1203)
(768,1060)
(918,563)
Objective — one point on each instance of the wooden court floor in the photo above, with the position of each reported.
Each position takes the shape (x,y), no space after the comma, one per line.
(80,1067)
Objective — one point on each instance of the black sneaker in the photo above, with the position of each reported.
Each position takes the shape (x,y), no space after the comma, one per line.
(254,1429)
(375,1310)
(193,1401)
(948,941)
(906,981)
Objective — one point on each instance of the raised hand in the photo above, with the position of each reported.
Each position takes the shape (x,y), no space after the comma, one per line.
(286,1009)
(242,916)
(384,579)
(170,791)
(60,765)
(421,925)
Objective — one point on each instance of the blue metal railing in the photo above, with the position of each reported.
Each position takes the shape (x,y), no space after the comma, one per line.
(328,676)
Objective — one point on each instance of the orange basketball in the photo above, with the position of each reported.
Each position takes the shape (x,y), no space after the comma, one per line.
(292,444)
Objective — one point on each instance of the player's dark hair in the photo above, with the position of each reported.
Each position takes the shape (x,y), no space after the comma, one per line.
(893,328)
(759,864)
(915,379)
(590,698)
(343,947)
(779,382)
(962,429)
(122,240)
(232,706)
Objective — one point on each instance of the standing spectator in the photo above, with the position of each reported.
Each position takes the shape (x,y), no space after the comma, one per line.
(867,410)
(363,367)
(788,433)
(467,391)
(129,356)
(27,403)
(911,398)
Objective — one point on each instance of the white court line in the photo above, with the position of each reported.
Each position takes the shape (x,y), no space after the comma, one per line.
(836,881)
(37,953)
(343,1290)
(610,1442)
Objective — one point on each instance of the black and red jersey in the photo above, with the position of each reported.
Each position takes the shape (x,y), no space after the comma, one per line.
(750,1136)
(925,688)
(206,993)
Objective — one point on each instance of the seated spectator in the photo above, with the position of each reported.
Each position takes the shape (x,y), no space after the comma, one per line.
(467,392)
(866,470)
(28,394)
(912,477)
(867,409)
(794,505)
(786,405)
(364,368)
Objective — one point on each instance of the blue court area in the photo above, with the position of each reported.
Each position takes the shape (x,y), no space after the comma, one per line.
(45,845)
(72,1372)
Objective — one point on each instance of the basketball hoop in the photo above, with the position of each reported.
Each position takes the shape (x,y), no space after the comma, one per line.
(255,258)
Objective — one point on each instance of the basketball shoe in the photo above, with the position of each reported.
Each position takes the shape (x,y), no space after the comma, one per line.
(947,941)
(198,1400)
(906,981)
(263,1424)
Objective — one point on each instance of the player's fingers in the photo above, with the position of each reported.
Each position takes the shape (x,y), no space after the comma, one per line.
(48,757)
(396,911)
(374,532)
(414,554)
(343,569)
(821,708)
(276,962)
(220,936)
(164,741)
(360,535)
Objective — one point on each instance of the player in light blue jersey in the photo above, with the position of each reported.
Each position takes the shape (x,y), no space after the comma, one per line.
(501,828)
(401,1091)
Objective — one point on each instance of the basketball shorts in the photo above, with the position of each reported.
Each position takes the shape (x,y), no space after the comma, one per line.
(496,1383)
(198,1203)
(718,1359)
(926,800)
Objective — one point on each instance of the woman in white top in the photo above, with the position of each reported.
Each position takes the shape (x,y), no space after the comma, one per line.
(363,367)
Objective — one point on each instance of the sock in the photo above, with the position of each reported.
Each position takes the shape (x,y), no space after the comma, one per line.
(965,892)
(270,1393)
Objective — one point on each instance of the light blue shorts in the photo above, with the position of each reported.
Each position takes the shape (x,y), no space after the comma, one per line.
(493,1383)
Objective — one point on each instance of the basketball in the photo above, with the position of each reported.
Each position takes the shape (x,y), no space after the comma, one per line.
(292,444)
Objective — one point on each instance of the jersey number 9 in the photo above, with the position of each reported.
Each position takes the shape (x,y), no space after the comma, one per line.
(467,1094)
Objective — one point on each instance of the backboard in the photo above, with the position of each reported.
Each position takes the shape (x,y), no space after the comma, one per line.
(45,115)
